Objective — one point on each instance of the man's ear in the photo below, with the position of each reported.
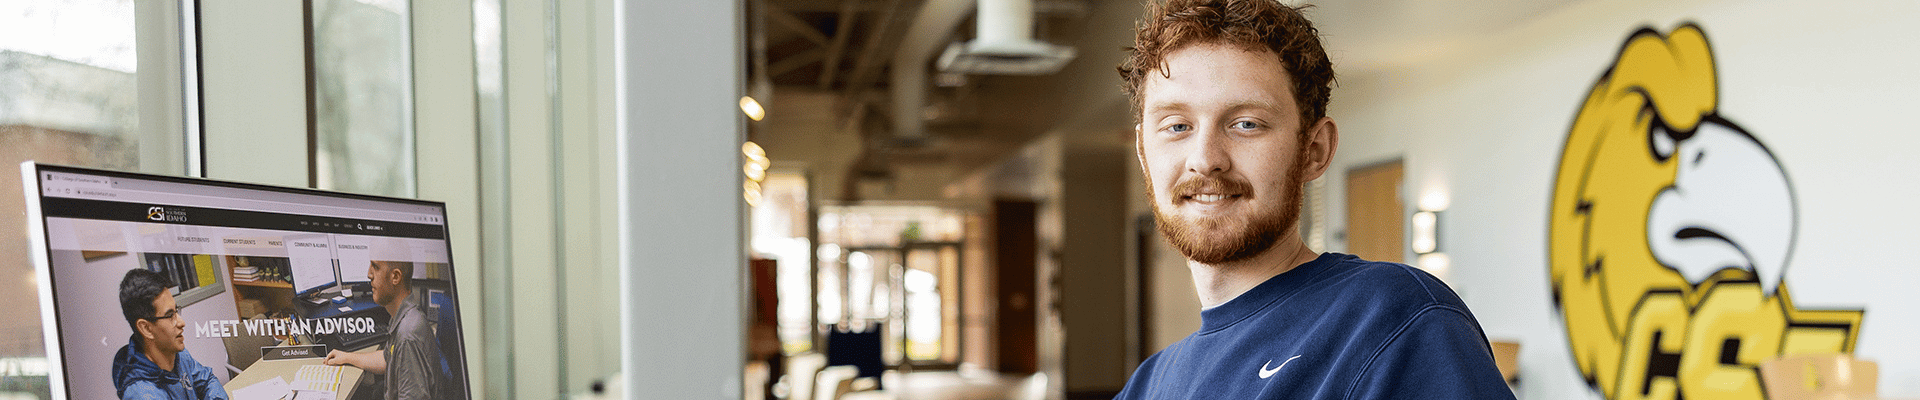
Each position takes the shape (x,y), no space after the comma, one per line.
(1323,138)
(1139,149)
(144,328)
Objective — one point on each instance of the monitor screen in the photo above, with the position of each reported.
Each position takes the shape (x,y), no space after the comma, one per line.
(186,288)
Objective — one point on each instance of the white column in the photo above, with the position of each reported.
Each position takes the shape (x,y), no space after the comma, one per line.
(679,76)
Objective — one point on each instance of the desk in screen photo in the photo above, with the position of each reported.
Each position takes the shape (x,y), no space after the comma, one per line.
(266,370)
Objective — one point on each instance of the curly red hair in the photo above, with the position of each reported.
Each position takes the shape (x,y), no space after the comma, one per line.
(1249,24)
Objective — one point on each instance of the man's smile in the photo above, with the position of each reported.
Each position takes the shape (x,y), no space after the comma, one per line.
(1210,198)
(1210,191)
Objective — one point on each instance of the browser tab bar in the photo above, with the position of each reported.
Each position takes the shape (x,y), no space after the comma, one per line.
(156,193)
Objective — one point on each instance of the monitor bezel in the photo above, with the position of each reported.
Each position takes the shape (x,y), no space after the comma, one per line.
(41,253)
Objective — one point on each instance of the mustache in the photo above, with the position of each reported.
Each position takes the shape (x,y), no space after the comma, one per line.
(1227,185)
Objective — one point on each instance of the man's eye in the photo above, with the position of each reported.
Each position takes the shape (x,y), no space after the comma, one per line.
(1246,125)
(1178,128)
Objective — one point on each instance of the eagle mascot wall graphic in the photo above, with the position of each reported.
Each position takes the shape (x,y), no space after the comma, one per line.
(1670,234)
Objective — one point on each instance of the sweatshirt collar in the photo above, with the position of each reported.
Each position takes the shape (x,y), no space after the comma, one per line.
(1268,293)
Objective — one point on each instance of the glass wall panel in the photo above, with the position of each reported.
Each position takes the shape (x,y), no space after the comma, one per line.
(362,96)
(923,319)
(93,83)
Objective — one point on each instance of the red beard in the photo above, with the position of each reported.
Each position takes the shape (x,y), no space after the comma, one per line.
(1216,240)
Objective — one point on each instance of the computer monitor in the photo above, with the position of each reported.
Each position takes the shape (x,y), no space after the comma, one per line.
(264,282)
(311,263)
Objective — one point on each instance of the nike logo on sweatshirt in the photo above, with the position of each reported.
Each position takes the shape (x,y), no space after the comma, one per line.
(1267,373)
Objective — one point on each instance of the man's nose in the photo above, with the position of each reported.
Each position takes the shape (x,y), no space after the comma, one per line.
(1208,154)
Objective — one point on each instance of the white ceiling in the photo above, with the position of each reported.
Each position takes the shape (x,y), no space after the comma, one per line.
(1365,35)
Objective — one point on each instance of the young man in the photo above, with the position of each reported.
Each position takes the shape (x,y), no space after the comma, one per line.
(410,361)
(1232,97)
(155,365)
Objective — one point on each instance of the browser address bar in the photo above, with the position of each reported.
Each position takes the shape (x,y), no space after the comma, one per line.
(127,191)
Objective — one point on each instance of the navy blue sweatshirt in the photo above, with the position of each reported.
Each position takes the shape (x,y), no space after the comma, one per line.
(1337,327)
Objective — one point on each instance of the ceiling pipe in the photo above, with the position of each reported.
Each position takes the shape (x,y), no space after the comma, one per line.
(924,38)
(1004,22)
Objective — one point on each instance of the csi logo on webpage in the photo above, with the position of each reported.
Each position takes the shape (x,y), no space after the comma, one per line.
(164,214)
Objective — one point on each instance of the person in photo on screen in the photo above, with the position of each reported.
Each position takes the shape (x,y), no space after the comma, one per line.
(1231,101)
(155,363)
(410,361)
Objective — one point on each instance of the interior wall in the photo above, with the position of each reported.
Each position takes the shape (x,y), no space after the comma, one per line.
(1093,271)
(1828,88)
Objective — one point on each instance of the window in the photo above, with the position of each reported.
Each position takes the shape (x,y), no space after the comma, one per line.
(95,83)
(362,97)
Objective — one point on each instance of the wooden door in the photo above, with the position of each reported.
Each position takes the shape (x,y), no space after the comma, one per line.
(1376,228)
(1016,247)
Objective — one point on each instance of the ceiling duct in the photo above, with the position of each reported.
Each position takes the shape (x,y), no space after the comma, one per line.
(932,25)
(1004,44)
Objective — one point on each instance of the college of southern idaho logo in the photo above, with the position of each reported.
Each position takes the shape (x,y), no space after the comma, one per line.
(1670,233)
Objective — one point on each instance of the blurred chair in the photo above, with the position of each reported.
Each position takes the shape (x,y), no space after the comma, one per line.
(1819,377)
(756,378)
(801,369)
(858,346)
(835,381)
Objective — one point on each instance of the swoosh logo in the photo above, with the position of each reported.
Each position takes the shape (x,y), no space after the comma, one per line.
(1266,373)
